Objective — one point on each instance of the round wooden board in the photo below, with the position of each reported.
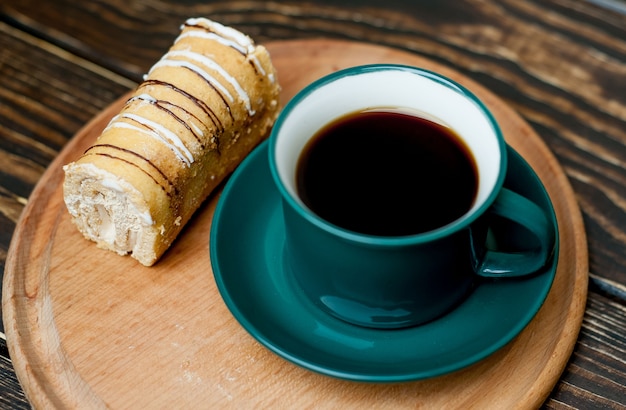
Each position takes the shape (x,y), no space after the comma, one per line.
(87,328)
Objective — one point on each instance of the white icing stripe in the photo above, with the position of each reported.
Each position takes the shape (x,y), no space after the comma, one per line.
(144,97)
(110,124)
(247,51)
(211,64)
(196,129)
(179,63)
(152,100)
(256,63)
(215,37)
(170,137)
(160,133)
(218,28)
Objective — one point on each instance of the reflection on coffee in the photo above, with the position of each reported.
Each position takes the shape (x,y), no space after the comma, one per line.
(387,172)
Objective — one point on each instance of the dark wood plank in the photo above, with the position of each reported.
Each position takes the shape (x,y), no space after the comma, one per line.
(596,374)
(11,394)
(560,63)
(50,95)
(47,95)
(557,62)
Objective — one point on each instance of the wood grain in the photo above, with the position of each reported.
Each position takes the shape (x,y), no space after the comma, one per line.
(557,62)
(10,398)
(171,341)
(47,94)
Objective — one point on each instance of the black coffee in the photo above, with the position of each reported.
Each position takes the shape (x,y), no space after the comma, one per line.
(387,172)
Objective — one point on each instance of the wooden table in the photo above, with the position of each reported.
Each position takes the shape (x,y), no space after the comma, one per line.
(561,64)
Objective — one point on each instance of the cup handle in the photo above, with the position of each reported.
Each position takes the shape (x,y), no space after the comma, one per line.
(523,212)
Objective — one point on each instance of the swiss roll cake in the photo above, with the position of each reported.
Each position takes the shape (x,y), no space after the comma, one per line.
(199,111)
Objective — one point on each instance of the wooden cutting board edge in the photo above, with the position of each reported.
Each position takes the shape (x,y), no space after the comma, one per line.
(38,367)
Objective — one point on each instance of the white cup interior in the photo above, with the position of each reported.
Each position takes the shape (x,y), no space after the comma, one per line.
(388,88)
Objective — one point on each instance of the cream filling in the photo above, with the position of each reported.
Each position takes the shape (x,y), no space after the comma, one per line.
(106,209)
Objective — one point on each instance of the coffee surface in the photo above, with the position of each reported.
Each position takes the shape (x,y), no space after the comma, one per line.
(387,172)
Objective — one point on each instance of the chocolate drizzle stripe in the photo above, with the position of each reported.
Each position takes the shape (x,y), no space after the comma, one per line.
(208,30)
(160,104)
(201,104)
(214,89)
(146,160)
(254,66)
(240,49)
(157,131)
(208,67)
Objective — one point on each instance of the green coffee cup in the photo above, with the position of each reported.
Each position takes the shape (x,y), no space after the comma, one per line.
(398,278)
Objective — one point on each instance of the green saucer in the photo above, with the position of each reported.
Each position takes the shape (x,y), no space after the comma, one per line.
(247,242)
